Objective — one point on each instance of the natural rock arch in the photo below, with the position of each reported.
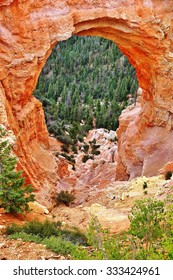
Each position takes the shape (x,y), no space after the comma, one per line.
(143,31)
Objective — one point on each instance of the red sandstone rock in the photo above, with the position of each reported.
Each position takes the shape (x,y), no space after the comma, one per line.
(143,31)
(142,149)
(168,167)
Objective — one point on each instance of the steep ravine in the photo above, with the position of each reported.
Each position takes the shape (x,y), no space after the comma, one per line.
(143,32)
(96,192)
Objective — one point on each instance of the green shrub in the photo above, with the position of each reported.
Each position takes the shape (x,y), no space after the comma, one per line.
(92,142)
(80,138)
(85,148)
(95,152)
(106,246)
(85,158)
(144,215)
(64,197)
(61,241)
(69,158)
(65,148)
(14,195)
(168,175)
(150,235)
(146,220)
(66,248)
(26,237)
(74,149)
(74,235)
(95,147)
(66,139)
(13,228)
(145,186)
(42,229)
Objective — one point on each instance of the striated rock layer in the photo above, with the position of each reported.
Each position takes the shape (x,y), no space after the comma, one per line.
(143,31)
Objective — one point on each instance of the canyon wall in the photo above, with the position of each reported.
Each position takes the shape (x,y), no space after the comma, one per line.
(142,29)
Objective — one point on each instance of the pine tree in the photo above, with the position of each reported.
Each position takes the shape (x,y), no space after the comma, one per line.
(14,196)
(91,69)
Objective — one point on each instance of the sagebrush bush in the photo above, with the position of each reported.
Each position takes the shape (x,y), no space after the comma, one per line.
(48,230)
(42,229)
(13,228)
(150,235)
(64,197)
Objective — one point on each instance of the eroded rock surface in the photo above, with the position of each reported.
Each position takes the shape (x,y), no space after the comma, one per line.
(143,31)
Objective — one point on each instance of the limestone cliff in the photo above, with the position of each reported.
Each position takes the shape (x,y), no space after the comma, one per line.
(143,31)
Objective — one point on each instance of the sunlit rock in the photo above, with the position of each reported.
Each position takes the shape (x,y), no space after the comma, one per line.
(143,32)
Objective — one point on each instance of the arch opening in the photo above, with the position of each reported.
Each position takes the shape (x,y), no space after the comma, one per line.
(86,81)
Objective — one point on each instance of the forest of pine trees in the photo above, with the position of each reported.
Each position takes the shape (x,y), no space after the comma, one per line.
(84,84)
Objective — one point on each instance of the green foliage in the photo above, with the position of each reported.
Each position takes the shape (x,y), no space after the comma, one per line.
(106,246)
(94,152)
(43,230)
(74,149)
(64,197)
(145,215)
(87,157)
(14,195)
(168,175)
(90,150)
(60,240)
(85,148)
(69,158)
(150,235)
(48,229)
(60,246)
(65,148)
(145,185)
(13,228)
(85,80)
(66,248)
(26,237)
(146,220)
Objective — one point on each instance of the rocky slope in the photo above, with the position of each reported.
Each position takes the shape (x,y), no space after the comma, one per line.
(143,31)
(90,177)
(143,149)
(96,192)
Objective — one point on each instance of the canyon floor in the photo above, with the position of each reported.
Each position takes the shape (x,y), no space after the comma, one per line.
(96,194)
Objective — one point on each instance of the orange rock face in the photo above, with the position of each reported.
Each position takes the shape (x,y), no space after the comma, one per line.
(143,31)
(143,149)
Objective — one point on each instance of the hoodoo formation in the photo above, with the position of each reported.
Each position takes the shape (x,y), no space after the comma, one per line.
(142,29)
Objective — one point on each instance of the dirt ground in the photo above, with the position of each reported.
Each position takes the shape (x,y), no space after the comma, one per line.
(19,250)
(108,205)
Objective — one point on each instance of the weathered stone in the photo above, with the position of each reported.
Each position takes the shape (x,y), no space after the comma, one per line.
(143,31)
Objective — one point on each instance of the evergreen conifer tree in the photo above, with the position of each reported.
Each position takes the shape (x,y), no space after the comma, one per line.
(14,196)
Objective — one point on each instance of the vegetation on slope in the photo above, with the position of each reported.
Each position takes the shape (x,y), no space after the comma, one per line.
(84,84)
(14,195)
(150,235)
